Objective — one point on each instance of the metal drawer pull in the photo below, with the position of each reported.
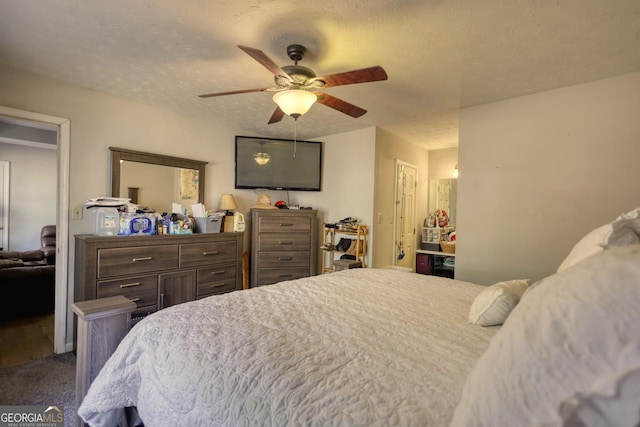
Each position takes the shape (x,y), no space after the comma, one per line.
(289,242)
(135,299)
(130,285)
(285,275)
(286,224)
(147,258)
(285,258)
(210,253)
(217,285)
(213,273)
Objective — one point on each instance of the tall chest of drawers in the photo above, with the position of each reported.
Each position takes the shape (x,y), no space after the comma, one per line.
(157,271)
(283,245)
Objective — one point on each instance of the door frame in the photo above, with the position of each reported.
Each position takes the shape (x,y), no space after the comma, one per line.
(62,290)
(398,164)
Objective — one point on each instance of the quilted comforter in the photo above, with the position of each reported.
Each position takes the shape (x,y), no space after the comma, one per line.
(366,347)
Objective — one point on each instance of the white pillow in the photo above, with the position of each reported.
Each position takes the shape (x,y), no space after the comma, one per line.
(493,305)
(606,404)
(571,342)
(624,230)
(590,244)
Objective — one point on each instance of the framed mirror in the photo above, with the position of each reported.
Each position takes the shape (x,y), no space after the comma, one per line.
(443,195)
(156,181)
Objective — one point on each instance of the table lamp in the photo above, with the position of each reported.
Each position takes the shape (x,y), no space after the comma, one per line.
(227,203)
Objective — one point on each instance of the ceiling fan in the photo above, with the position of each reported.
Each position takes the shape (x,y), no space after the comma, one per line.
(298,87)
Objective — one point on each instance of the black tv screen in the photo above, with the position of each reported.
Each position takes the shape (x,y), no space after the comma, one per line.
(289,167)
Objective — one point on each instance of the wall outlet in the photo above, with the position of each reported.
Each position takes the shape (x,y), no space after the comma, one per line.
(77,212)
(379,218)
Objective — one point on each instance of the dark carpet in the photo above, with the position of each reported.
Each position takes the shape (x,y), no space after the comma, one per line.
(48,381)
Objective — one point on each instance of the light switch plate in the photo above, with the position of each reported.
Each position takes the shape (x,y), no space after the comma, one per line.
(77,212)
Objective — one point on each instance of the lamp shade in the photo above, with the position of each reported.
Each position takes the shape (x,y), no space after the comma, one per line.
(227,203)
(295,102)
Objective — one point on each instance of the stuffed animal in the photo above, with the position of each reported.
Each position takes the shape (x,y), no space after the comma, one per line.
(443,218)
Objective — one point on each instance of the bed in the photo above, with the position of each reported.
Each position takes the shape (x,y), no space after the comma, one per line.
(349,348)
(378,347)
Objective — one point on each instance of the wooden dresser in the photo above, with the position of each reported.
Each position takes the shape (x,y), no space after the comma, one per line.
(157,271)
(283,245)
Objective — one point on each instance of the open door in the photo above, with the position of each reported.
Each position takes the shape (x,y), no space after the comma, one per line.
(404,251)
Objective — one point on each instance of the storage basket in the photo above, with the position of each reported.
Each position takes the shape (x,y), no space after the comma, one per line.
(448,247)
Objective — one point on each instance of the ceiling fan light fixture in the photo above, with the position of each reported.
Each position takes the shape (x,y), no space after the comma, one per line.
(261,158)
(295,102)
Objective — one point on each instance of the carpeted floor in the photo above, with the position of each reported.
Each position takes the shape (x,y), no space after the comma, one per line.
(26,339)
(47,381)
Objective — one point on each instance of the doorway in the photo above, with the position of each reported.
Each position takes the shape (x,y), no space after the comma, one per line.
(404,228)
(62,311)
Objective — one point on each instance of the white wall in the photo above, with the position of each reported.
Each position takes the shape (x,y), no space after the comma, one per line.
(442,163)
(540,171)
(347,190)
(33,194)
(99,121)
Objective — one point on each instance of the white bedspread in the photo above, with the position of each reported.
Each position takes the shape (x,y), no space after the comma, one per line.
(360,347)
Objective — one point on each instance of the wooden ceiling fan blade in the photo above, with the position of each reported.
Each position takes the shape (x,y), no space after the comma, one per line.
(266,62)
(340,105)
(277,115)
(233,92)
(364,75)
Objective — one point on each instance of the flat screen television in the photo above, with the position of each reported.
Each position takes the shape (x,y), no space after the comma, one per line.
(272,164)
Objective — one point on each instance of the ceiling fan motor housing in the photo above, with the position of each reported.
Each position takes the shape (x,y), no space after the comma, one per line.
(300,76)
(296,52)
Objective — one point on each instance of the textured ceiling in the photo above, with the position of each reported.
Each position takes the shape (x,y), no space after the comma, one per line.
(440,55)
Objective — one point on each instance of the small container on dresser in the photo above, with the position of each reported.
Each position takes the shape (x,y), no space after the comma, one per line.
(283,245)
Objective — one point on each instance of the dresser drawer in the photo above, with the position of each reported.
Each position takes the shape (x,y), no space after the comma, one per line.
(216,274)
(136,260)
(267,276)
(143,290)
(284,259)
(216,280)
(199,254)
(284,242)
(284,223)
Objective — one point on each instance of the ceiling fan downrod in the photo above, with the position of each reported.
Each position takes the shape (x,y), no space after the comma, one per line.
(296,52)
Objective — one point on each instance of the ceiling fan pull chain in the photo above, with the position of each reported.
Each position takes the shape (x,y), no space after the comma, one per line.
(295,134)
